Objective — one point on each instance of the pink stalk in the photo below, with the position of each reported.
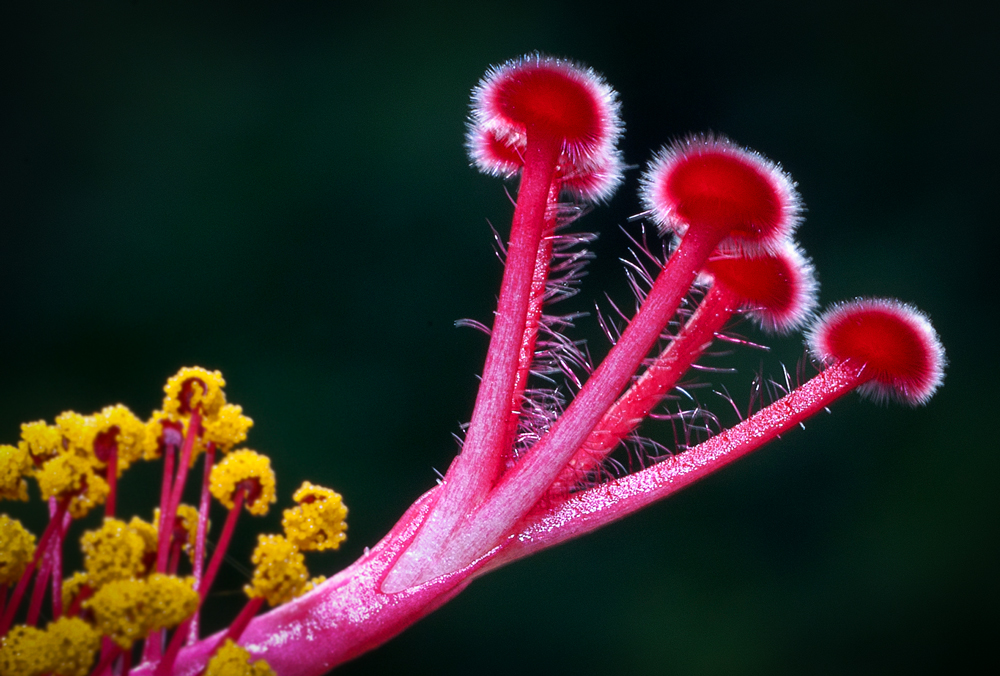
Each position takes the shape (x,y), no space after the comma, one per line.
(106,450)
(239,625)
(166,663)
(536,302)
(38,592)
(556,114)
(166,489)
(107,657)
(473,472)
(153,645)
(3,597)
(331,615)
(223,544)
(778,290)
(646,393)
(170,514)
(712,192)
(199,541)
(588,510)
(706,190)
(183,631)
(51,558)
(57,577)
(880,347)
(867,344)
(51,530)
(526,482)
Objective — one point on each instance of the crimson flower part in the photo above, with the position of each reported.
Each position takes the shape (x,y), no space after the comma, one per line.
(710,182)
(900,350)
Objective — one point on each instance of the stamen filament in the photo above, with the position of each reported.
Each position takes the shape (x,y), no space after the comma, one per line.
(588,510)
(199,541)
(170,514)
(54,526)
(645,393)
(474,471)
(526,482)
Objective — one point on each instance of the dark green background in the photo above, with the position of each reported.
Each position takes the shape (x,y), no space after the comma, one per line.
(280,191)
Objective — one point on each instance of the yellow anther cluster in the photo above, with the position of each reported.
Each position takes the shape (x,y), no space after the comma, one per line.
(17,550)
(318,522)
(42,441)
(117,551)
(14,464)
(240,466)
(128,610)
(78,432)
(72,646)
(153,444)
(279,573)
(232,660)
(228,428)
(194,388)
(24,652)
(69,475)
(131,437)
(67,647)
(117,595)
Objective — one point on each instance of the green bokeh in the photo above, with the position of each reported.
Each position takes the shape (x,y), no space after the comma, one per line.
(280,191)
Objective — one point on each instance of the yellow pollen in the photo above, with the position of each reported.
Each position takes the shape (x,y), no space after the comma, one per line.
(73,587)
(232,660)
(128,610)
(14,464)
(42,441)
(78,432)
(240,466)
(194,388)
(228,428)
(24,652)
(279,573)
(131,437)
(117,551)
(17,551)
(319,522)
(152,449)
(69,474)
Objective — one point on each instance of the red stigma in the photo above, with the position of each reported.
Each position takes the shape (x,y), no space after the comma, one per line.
(549,99)
(779,289)
(544,98)
(723,192)
(712,183)
(900,349)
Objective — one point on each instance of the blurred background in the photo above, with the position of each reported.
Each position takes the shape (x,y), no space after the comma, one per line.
(279,190)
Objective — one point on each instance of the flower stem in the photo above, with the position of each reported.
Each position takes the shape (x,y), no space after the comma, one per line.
(54,526)
(166,488)
(522,486)
(107,657)
(199,541)
(220,549)
(659,379)
(169,515)
(536,302)
(475,470)
(588,510)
